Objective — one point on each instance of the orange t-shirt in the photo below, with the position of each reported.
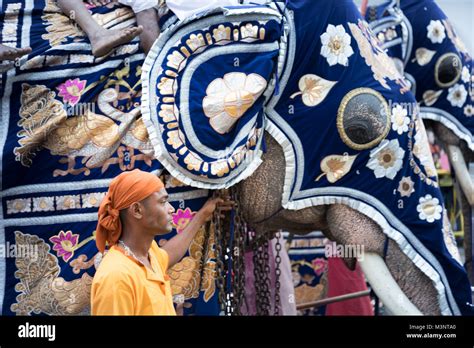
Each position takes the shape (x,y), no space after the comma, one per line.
(123,286)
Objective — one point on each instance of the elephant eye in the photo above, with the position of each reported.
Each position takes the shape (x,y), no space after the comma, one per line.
(363,118)
(448,70)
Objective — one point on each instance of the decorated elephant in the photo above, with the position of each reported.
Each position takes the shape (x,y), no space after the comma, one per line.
(316,129)
(436,61)
(259,75)
(70,123)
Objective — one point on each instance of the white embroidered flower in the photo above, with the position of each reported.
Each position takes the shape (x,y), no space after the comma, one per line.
(390,34)
(92,200)
(336,45)
(249,32)
(436,32)
(19,205)
(457,95)
(229,97)
(406,187)
(386,159)
(400,120)
(68,202)
(465,75)
(195,42)
(429,208)
(221,33)
(175,60)
(469,110)
(43,204)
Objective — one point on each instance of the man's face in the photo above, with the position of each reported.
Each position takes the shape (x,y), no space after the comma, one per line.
(157,213)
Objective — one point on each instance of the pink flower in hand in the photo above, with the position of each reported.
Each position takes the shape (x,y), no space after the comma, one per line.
(71,90)
(64,244)
(182,218)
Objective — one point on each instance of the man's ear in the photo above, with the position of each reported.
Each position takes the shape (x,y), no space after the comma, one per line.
(136,210)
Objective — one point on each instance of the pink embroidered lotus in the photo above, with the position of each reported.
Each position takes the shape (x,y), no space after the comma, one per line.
(182,218)
(319,266)
(65,244)
(71,90)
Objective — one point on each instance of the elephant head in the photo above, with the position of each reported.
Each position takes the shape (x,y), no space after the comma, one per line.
(436,61)
(317,129)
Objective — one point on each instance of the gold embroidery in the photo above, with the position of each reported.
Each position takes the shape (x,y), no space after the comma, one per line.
(228,98)
(307,294)
(443,63)
(221,33)
(384,109)
(220,168)
(185,275)
(19,205)
(313,89)
(455,39)
(81,263)
(336,166)
(193,161)
(40,288)
(430,97)
(92,136)
(249,33)
(196,42)
(40,115)
(418,146)
(423,56)
(381,64)
(58,25)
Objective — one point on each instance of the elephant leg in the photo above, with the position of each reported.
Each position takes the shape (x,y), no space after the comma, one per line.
(349,227)
(261,193)
(260,197)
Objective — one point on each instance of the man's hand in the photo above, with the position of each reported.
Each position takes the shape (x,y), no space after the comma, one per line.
(177,246)
(221,204)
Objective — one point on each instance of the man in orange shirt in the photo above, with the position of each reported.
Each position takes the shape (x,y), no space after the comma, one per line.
(131,279)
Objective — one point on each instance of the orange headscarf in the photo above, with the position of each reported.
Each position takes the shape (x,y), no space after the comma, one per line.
(125,189)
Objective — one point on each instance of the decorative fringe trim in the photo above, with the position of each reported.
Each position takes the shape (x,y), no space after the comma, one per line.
(443,117)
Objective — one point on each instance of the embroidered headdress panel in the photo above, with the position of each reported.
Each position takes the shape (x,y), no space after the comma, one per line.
(205,84)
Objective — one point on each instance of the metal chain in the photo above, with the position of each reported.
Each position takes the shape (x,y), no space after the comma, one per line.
(232,291)
(261,273)
(256,273)
(220,271)
(266,296)
(238,255)
(277,274)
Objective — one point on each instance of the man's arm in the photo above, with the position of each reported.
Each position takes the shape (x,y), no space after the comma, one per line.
(177,246)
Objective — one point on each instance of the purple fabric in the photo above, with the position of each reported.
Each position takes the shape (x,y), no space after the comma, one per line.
(287,291)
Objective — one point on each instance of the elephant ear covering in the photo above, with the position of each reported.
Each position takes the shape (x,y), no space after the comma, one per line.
(205,82)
